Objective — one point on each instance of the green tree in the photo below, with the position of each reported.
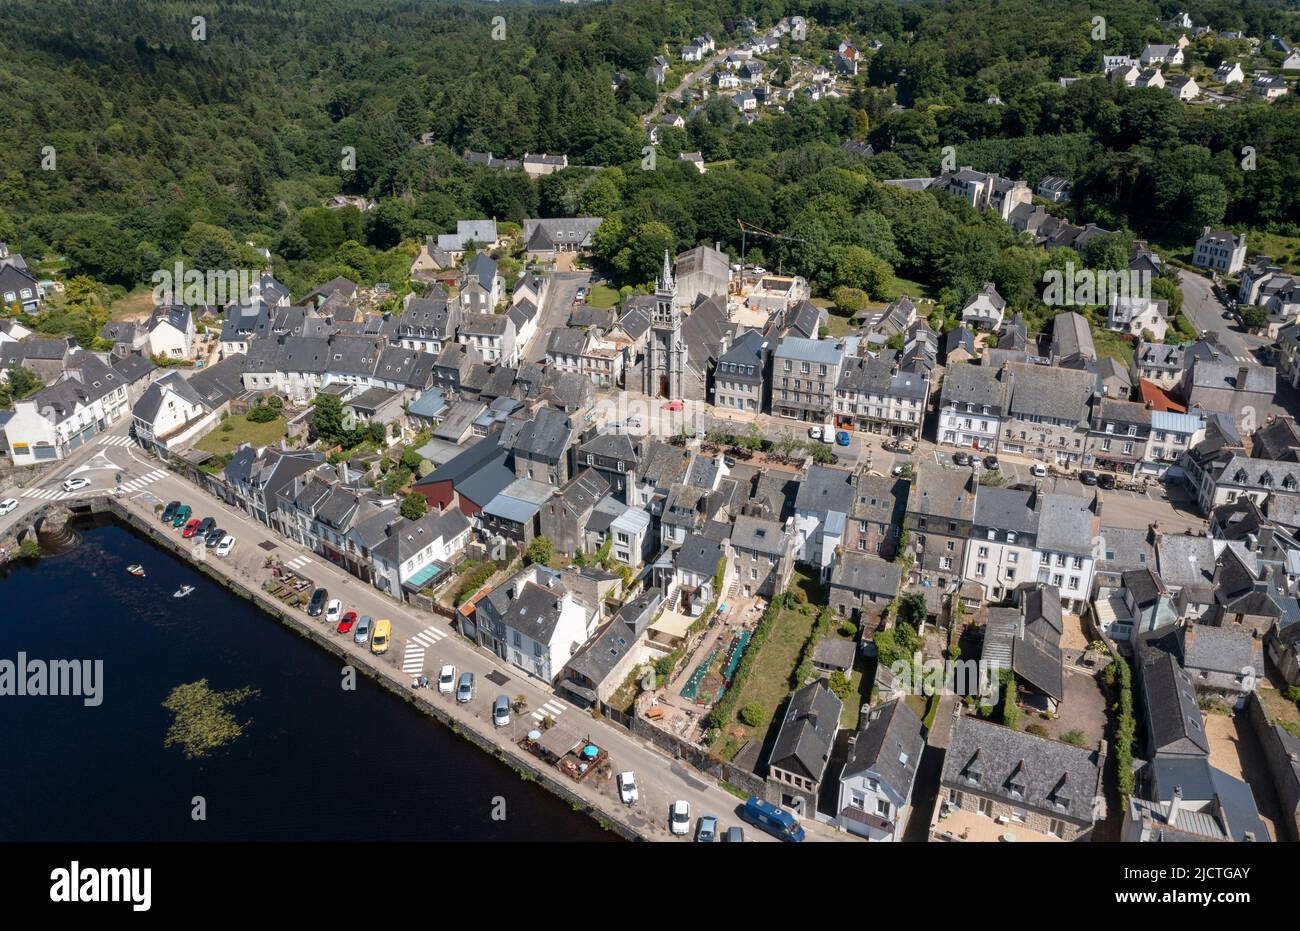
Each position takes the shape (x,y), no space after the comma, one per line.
(327,418)
(539,551)
(414,506)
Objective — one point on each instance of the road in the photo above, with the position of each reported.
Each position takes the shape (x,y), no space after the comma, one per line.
(1205,311)
(686,82)
(422,642)
(554,312)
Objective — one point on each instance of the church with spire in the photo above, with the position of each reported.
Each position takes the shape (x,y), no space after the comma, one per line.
(665,354)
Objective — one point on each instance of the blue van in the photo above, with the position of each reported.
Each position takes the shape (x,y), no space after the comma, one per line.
(773,820)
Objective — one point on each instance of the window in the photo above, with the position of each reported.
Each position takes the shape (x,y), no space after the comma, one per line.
(986,807)
(1056,827)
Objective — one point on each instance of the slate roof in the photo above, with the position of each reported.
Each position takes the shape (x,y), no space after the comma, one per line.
(965,383)
(1173,719)
(803,744)
(1054,778)
(754,534)
(942,492)
(699,555)
(862,572)
(1049,391)
(825,489)
(889,744)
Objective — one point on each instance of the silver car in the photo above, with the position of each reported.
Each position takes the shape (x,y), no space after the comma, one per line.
(501,711)
(465,690)
(362,632)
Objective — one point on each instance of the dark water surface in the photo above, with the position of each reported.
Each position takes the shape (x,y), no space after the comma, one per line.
(315,762)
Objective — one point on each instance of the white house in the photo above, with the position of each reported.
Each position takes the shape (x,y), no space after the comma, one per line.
(171,332)
(984,310)
(1138,315)
(171,414)
(88,399)
(1229,72)
(875,797)
(1183,88)
(1220,250)
(533,621)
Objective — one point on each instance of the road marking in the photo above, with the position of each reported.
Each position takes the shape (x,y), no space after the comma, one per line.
(46,494)
(428,637)
(148,478)
(117,441)
(298,562)
(552,708)
(413,659)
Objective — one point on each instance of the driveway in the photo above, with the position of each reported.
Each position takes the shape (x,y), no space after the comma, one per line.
(560,292)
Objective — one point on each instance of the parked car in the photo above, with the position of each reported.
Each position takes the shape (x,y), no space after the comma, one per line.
(627,788)
(181,516)
(226,545)
(501,711)
(205,526)
(76,484)
(446,679)
(634,423)
(991,463)
(191,528)
(814,433)
(213,537)
(465,688)
(8,506)
(316,607)
(333,611)
(380,637)
(1088,478)
(961,459)
(362,632)
(170,511)
(1038,470)
(706,832)
(734,835)
(842,438)
(728,462)
(898,470)
(776,821)
(679,818)
(346,622)
(673,406)
(1106,480)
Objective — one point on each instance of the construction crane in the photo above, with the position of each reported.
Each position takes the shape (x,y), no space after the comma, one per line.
(750,229)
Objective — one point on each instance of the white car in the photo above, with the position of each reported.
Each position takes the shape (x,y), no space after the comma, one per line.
(1039,470)
(627,788)
(679,818)
(333,611)
(8,506)
(634,423)
(76,484)
(814,433)
(446,679)
(226,545)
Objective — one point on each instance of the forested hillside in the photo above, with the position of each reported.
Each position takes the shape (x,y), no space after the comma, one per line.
(167,147)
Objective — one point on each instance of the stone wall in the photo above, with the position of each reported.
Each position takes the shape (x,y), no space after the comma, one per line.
(1282,769)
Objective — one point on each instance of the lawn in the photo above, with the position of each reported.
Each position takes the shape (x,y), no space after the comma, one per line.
(237,429)
(768,683)
(1283,250)
(136,304)
(602,295)
(1113,345)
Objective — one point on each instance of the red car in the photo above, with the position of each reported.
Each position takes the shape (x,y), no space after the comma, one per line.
(191,527)
(674,406)
(346,622)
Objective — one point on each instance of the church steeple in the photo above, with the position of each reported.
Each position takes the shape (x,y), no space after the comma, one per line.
(665,280)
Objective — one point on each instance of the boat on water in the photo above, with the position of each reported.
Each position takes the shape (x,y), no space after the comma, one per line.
(136,569)
(182,591)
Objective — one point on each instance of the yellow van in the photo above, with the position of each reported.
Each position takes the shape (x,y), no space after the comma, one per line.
(382,634)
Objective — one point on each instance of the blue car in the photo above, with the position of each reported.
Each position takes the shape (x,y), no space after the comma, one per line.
(842,438)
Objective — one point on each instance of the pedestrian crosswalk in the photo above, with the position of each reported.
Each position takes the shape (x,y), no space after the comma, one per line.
(413,655)
(298,563)
(552,709)
(117,441)
(413,659)
(46,494)
(428,637)
(148,478)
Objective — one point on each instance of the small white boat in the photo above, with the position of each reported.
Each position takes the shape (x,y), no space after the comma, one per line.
(182,591)
(136,569)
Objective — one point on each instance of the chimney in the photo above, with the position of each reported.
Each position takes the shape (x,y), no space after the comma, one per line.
(1175,805)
